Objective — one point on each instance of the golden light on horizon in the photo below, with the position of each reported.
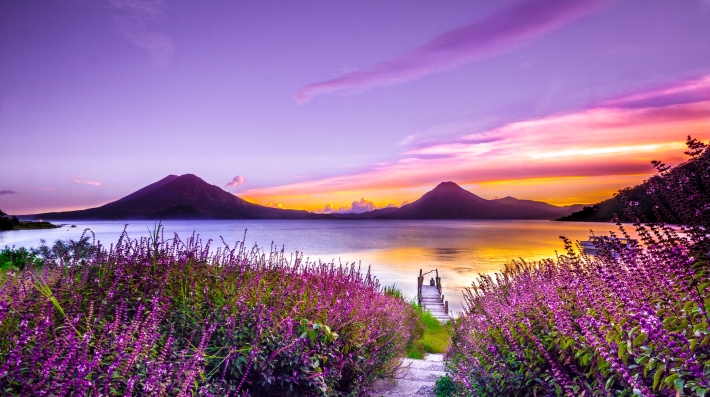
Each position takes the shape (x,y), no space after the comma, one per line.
(556,191)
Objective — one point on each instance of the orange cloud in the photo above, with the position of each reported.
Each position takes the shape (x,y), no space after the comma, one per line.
(357,207)
(610,146)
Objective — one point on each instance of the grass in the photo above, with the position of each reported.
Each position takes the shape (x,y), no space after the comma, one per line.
(434,339)
(433,336)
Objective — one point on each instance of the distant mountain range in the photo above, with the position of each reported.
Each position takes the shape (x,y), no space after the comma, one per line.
(450,201)
(189,197)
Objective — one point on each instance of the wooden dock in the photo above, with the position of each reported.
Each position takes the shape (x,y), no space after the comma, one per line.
(430,297)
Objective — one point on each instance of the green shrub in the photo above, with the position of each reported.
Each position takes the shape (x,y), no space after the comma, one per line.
(445,387)
(17,258)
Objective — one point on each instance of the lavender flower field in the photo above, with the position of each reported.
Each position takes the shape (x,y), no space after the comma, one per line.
(629,321)
(160,316)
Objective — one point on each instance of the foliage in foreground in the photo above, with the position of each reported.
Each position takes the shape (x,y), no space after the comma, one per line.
(630,321)
(444,387)
(163,317)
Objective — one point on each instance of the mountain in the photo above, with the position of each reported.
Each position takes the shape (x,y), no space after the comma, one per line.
(148,189)
(450,201)
(185,196)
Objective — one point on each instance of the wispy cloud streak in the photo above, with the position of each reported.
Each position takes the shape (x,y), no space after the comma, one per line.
(6,192)
(499,33)
(684,92)
(131,19)
(85,182)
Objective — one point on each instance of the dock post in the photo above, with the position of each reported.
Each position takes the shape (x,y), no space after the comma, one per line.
(446,307)
(420,280)
(442,298)
(438,281)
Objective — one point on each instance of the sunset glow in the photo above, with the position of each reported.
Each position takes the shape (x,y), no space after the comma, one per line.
(578,157)
(327,106)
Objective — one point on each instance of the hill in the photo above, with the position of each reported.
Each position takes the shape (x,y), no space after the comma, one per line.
(184,197)
(615,207)
(450,201)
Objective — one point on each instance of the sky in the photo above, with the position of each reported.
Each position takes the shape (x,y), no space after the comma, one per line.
(346,105)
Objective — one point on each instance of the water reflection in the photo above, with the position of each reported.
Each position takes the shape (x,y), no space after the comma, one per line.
(395,250)
(446,254)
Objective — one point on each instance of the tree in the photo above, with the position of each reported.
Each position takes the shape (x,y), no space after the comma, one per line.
(5,221)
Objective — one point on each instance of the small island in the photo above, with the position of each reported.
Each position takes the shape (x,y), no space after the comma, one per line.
(12,223)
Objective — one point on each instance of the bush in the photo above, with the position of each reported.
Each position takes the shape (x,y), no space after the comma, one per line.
(17,258)
(166,317)
(12,258)
(445,387)
(629,321)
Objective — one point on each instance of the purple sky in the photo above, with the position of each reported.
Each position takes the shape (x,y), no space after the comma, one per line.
(98,99)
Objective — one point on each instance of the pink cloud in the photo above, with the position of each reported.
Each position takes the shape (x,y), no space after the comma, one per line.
(604,141)
(237,180)
(85,182)
(498,33)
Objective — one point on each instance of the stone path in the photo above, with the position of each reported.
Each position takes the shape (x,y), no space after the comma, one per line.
(417,378)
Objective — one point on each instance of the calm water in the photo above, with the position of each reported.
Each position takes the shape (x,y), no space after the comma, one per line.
(396,250)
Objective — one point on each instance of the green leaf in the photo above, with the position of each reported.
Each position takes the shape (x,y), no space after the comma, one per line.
(688,308)
(622,350)
(639,339)
(632,331)
(669,380)
(657,376)
(679,384)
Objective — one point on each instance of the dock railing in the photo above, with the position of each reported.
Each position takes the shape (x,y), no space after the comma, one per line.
(437,280)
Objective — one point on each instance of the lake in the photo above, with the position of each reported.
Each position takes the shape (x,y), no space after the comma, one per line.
(395,249)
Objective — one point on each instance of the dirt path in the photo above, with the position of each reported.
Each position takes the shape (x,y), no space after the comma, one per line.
(417,378)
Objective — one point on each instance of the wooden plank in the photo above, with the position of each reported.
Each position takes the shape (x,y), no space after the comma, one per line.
(432,300)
